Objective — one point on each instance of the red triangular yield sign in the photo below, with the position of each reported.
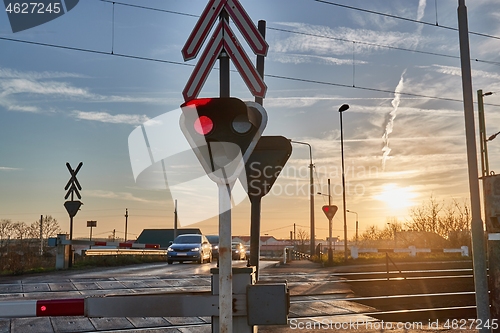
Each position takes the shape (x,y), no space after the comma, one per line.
(330,211)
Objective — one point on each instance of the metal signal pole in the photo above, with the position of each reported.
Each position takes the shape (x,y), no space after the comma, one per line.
(225,254)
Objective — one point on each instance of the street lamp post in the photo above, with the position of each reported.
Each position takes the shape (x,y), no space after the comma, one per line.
(343,108)
(351,211)
(311,196)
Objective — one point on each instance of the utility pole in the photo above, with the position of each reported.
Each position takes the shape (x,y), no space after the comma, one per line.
(175,219)
(294,235)
(41,234)
(477,230)
(126,222)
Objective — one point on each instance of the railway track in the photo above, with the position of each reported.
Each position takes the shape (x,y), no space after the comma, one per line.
(410,295)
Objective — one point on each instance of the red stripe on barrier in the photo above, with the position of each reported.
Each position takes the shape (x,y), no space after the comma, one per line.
(152,246)
(60,307)
(100,243)
(125,245)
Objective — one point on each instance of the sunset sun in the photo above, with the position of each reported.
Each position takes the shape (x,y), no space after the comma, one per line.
(396,197)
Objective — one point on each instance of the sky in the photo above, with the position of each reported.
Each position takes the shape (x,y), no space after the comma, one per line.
(396,63)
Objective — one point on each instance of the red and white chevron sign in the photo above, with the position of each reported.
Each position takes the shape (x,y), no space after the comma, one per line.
(224,37)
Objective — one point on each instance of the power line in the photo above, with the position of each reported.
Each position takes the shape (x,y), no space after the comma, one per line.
(402,18)
(336,38)
(367,88)
(149,8)
(365,43)
(267,75)
(96,51)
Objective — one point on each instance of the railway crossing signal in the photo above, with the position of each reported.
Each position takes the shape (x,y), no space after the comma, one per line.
(73,185)
(207,21)
(224,39)
(222,133)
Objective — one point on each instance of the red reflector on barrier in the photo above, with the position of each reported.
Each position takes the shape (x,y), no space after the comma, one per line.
(60,307)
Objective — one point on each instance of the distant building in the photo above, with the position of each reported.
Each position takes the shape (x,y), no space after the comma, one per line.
(268,244)
(264,240)
(162,236)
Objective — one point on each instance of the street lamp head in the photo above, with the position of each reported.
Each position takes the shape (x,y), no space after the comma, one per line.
(493,136)
(344,107)
(488,93)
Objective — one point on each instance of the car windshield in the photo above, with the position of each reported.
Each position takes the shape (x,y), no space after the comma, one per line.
(188,239)
(213,239)
(235,245)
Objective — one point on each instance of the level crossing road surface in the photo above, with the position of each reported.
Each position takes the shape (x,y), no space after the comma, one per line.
(314,298)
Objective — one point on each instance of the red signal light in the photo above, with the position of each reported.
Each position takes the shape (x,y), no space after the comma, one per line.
(203,125)
(197,102)
(326,208)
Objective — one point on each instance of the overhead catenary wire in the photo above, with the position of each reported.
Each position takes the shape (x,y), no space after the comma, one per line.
(129,56)
(277,29)
(324,2)
(402,18)
(337,38)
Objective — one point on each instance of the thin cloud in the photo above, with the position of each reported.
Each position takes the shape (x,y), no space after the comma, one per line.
(115,195)
(17,88)
(7,73)
(104,117)
(457,71)
(9,169)
(297,59)
(25,86)
(321,46)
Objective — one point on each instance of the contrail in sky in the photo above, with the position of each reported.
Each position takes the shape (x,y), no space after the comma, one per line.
(390,123)
(420,14)
(397,95)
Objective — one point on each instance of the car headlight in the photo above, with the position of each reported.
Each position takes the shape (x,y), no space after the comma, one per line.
(170,249)
(216,247)
(195,249)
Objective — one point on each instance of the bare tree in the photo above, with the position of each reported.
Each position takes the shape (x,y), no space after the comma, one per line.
(426,217)
(50,228)
(449,221)
(302,236)
(456,223)
(6,231)
(20,230)
(371,233)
